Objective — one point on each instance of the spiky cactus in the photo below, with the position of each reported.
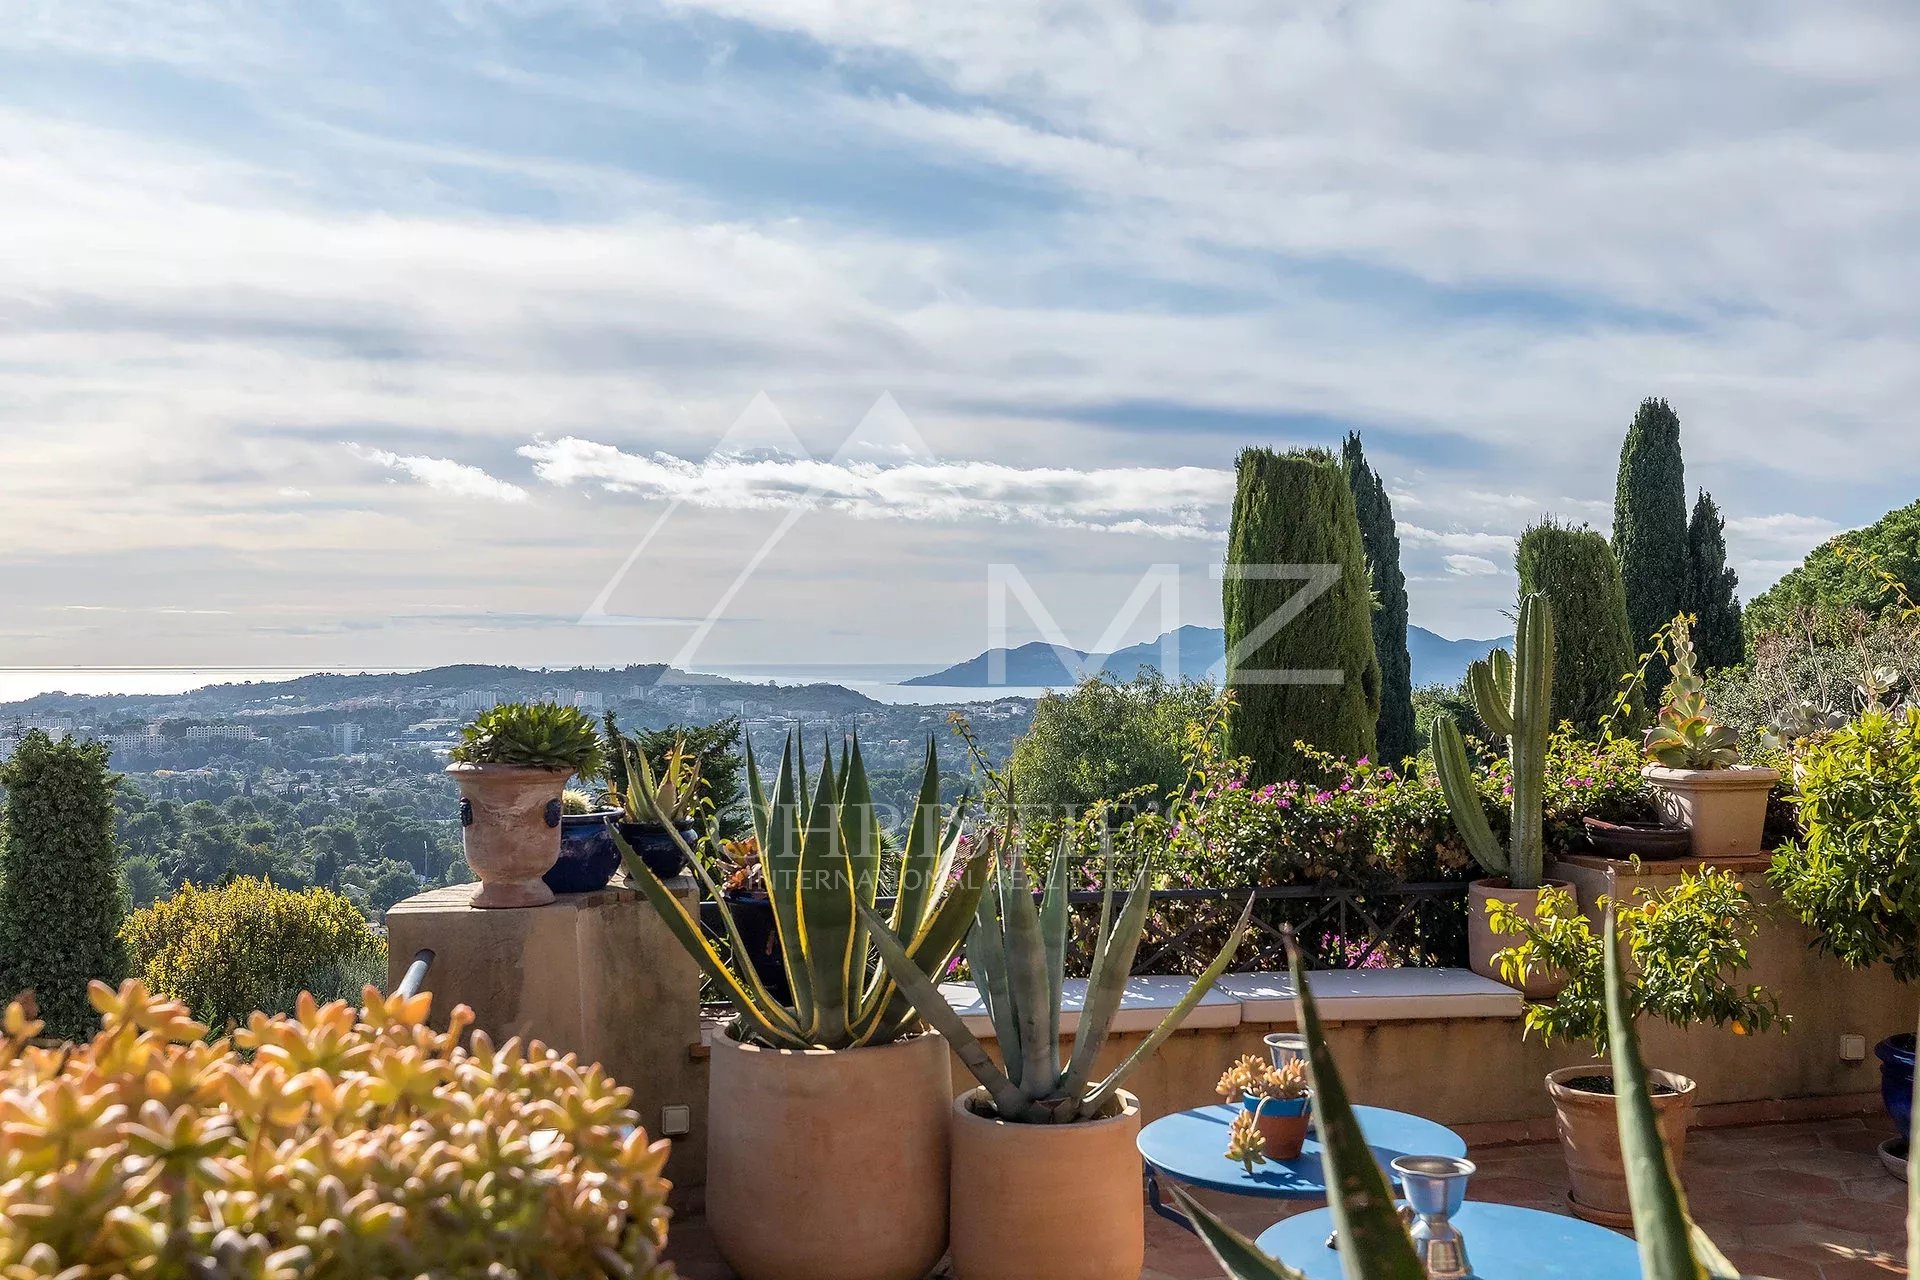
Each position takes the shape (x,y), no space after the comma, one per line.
(1514,695)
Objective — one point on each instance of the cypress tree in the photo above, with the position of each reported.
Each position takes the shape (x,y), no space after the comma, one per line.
(1650,524)
(1314,678)
(1394,734)
(61,898)
(1707,593)
(1575,570)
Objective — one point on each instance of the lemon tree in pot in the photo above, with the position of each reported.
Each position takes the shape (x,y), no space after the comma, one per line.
(827,1134)
(1687,944)
(1046,1178)
(1513,695)
(511,766)
(1694,763)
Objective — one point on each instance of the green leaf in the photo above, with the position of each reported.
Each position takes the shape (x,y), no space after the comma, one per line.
(1240,1257)
(1107,985)
(826,901)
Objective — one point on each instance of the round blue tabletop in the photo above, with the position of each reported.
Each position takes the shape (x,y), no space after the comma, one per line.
(1191,1146)
(1504,1242)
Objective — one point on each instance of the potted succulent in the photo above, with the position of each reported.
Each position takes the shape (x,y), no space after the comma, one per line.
(659,831)
(588,856)
(1513,695)
(1685,944)
(1275,1101)
(511,765)
(743,885)
(1046,1175)
(1694,764)
(1374,1240)
(1854,877)
(827,1142)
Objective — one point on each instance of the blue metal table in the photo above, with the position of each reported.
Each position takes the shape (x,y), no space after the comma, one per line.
(1504,1242)
(1191,1147)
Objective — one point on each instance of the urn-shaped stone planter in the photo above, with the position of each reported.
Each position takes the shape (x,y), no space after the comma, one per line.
(1590,1136)
(510,829)
(1726,809)
(1056,1200)
(1483,943)
(830,1164)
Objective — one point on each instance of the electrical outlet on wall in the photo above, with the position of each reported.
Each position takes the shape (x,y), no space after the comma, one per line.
(1853,1048)
(676,1121)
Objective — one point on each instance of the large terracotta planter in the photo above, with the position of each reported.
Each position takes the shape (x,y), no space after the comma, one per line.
(1726,809)
(510,829)
(1590,1138)
(829,1165)
(1483,943)
(1060,1201)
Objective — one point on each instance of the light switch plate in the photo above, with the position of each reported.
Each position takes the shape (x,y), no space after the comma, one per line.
(676,1121)
(1853,1048)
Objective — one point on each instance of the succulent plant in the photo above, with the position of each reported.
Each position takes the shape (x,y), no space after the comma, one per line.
(1245,1144)
(820,860)
(332,1142)
(576,803)
(1513,694)
(540,735)
(1373,1240)
(1256,1077)
(676,796)
(1684,735)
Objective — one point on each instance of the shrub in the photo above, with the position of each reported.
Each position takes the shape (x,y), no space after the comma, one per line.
(250,945)
(322,1144)
(61,896)
(1845,574)
(1576,571)
(1293,513)
(1684,943)
(1855,876)
(1818,671)
(1105,739)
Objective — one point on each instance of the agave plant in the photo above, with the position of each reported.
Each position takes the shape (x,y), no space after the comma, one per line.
(541,735)
(1373,1242)
(821,858)
(1685,735)
(1513,694)
(676,786)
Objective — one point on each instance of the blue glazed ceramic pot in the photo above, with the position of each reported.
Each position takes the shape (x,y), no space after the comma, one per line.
(1896,1078)
(588,856)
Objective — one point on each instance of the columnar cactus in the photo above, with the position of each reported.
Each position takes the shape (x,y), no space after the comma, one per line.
(1514,695)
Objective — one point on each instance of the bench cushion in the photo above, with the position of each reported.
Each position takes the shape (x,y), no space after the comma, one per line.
(1147,1000)
(1374,995)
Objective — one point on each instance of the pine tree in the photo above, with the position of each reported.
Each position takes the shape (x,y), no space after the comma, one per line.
(1575,570)
(1395,737)
(1708,591)
(1650,524)
(1314,678)
(61,898)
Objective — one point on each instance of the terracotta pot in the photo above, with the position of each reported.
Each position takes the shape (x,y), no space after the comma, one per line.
(1483,943)
(510,829)
(1590,1138)
(1726,809)
(1055,1200)
(829,1165)
(1282,1122)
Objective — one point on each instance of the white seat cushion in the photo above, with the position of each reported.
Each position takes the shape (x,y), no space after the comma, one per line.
(1374,995)
(1146,1001)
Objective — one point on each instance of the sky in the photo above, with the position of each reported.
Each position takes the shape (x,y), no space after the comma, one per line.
(820,331)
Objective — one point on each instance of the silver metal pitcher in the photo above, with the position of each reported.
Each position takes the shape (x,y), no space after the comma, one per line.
(1435,1187)
(1285,1046)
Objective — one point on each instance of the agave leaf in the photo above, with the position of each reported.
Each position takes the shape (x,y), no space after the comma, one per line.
(933,950)
(1240,1257)
(1373,1242)
(926,997)
(756,797)
(1107,984)
(1097,1100)
(1026,953)
(919,862)
(1053,930)
(987,957)
(860,832)
(1660,1219)
(780,864)
(826,900)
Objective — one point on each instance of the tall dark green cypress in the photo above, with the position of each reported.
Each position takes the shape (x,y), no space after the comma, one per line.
(1314,678)
(61,898)
(1575,570)
(1708,593)
(1394,734)
(1650,523)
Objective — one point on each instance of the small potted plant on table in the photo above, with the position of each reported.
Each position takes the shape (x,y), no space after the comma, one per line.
(511,765)
(1277,1099)
(588,856)
(1685,945)
(1694,764)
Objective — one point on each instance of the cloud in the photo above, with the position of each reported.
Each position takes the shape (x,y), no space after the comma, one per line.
(445,475)
(1454,539)
(1178,502)
(1470,566)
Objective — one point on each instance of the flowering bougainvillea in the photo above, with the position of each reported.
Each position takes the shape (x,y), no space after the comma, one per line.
(327,1143)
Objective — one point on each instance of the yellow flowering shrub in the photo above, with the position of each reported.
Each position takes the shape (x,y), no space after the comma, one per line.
(249,945)
(328,1143)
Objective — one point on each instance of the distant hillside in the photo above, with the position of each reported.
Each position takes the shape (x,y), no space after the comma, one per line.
(1199,652)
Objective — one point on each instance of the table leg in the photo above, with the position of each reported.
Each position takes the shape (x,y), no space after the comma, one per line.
(1161,1207)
